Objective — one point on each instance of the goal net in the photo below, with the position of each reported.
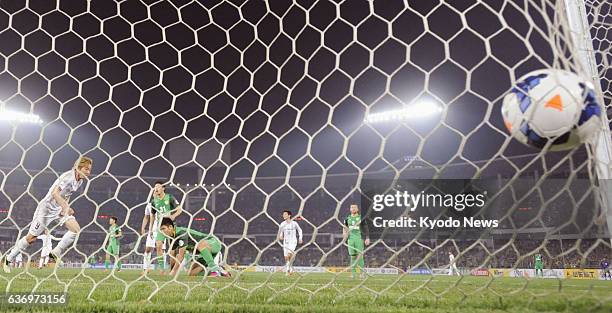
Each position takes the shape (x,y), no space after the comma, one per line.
(245,109)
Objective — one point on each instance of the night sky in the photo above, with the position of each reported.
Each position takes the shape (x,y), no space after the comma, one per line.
(279,88)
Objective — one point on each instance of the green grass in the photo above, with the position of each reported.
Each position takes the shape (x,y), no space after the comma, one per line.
(96,291)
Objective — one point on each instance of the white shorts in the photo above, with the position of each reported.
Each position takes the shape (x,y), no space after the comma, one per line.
(19,258)
(151,237)
(289,247)
(45,215)
(45,252)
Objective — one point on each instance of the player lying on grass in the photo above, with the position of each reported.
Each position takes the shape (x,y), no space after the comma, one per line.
(55,207)
(203,248)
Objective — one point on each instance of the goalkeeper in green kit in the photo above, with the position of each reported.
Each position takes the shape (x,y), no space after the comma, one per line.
(539,265)
(354,228)
(203,247)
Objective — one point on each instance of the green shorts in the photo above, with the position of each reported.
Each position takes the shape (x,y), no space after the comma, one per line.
(539,266)
(355,246)
(112,249)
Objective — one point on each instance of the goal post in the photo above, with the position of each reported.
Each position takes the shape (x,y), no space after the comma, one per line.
(578,25)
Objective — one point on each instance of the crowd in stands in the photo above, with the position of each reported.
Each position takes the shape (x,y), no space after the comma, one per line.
(321,212)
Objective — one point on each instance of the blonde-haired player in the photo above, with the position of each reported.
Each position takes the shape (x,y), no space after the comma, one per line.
(55,207)
(288,233)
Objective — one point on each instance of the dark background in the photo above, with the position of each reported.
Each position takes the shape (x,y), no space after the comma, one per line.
(232,93)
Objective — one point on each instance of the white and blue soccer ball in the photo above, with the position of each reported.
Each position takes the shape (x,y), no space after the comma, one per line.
(552,105)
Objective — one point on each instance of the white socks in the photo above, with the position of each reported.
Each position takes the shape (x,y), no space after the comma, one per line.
(20,246)
(146,263)
(66,241)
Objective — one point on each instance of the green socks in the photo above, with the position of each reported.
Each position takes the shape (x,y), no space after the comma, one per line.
(210,261)
(361,264)
(357,263)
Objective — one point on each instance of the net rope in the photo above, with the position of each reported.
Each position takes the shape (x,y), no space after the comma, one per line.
(280,79)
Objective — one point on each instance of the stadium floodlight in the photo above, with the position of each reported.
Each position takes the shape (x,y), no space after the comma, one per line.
(14,116)
(417,110)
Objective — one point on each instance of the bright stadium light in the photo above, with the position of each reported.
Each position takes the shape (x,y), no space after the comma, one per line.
(417,110)
(14,116)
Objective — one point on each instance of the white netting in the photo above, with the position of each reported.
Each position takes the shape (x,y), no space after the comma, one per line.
(248,108)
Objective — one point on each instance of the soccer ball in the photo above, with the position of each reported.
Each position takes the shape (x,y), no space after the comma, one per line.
(552,105)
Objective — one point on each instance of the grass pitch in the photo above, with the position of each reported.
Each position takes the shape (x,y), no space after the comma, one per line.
(126,291)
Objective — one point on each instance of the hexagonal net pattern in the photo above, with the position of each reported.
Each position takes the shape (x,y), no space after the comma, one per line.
(247,108)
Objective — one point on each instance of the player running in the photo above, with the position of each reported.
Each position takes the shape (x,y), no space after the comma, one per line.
(203,247)
(353,229)
(112,248)
(162,205)
(47,246)
(288,232)
(55,207)
(539,265)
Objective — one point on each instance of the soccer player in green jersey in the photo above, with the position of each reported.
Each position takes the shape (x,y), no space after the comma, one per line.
(354,228)
(203,247)
(112,248)
(539,265)
(162,205)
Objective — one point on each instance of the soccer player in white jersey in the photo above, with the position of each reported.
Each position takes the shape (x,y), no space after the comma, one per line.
(55,207)
(288,232)
(47,246)
(452,266)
